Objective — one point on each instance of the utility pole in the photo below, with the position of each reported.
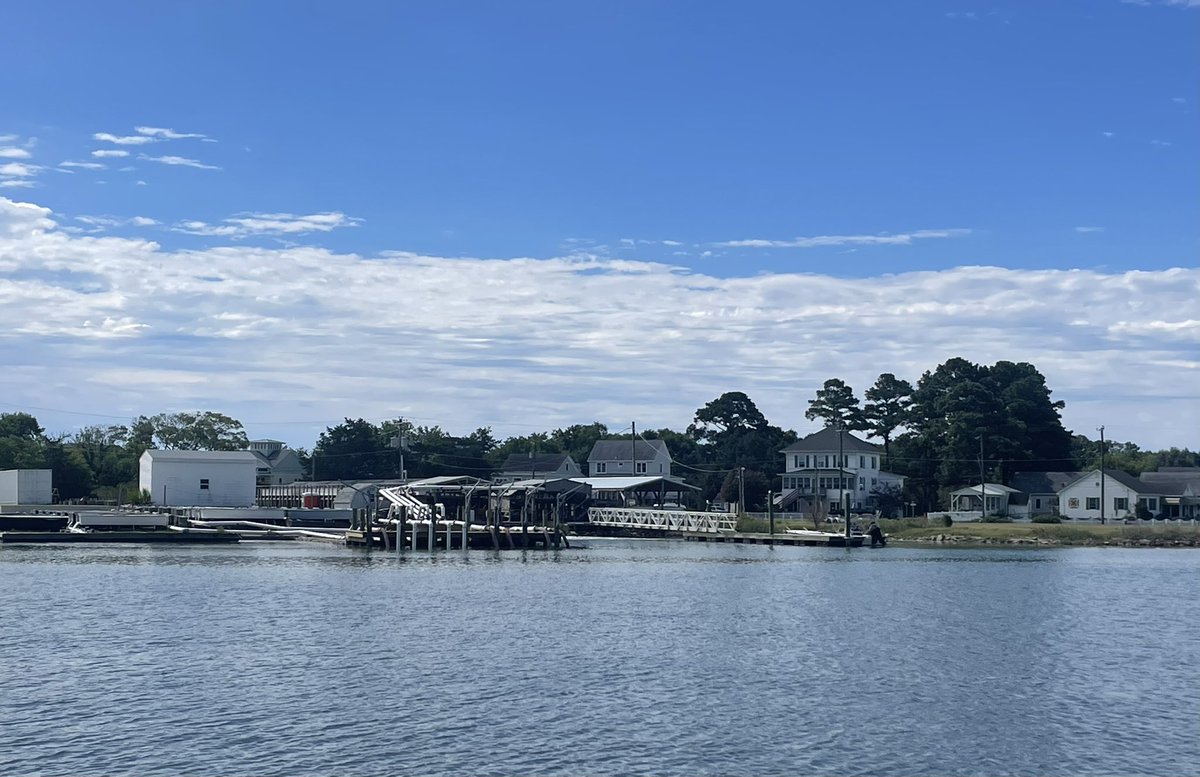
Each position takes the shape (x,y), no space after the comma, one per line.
(982,490)
(633,448)
(1101,430)
(841,463)
(741,490)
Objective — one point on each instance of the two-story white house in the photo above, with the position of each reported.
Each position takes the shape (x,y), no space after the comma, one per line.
(830,465)
(629,457)
(277,465)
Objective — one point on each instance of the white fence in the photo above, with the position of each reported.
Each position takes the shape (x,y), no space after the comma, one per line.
(662,520)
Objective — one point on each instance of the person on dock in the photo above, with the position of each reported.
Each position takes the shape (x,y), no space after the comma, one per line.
(876,535)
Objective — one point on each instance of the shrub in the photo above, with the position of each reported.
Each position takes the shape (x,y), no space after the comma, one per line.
(997,519)
(947,521)
(1046,519)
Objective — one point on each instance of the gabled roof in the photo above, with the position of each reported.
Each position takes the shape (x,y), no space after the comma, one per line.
(1043,482)
(990,489)
(826,441)
(171,455)
(539,462)
(624,450)
(1122,477)
(1173,481)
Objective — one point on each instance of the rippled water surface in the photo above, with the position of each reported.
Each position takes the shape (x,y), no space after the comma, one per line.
(619,658)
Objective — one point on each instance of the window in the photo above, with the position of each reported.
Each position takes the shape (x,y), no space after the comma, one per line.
(1093,503)
(601,467)
(203,484)
(1037,503)
(641,467)
(1149,502)
(873,463)
(1120,503)
(862,484)
(862,462)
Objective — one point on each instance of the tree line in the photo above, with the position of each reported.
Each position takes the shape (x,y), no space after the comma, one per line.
(932,433)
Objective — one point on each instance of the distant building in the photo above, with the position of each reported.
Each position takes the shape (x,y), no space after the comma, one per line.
(26,487)
(1040,492)
(629,457)
(823,466)
(995,498)
(277,465)
(526,466)
(1081,499)
(199,478)
(1179,489)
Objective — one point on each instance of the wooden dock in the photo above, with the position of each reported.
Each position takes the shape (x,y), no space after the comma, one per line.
(477,537)
(750,538)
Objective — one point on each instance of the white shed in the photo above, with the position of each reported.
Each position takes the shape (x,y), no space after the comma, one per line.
(199,478)
(26,487)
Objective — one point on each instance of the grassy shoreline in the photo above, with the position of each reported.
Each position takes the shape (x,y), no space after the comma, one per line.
(919,530)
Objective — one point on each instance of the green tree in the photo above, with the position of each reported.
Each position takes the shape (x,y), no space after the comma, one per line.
(728,414)
(70,472)
(198,431)
(353,450)
(835,403)
(887,407)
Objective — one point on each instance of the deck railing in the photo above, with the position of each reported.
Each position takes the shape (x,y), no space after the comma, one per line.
(661,520)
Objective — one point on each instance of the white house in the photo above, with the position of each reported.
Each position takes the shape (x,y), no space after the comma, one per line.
(199,478)
(531,466)
(26,487)
(629,457)
(828,465)
(277,465)
(997,496)
(1122,492)
(1040,491)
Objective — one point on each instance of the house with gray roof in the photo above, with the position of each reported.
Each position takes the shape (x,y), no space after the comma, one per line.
(1040,492)
(277,465)
(1179,489)
(609,458)
(532,466)
(828,466)
(1081,499)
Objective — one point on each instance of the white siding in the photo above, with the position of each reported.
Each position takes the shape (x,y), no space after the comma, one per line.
(26,487)
(230,480)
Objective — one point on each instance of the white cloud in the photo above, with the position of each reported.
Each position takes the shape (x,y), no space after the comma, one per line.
(178,161)
(124,140)
(19,169)
(84,165)
(167,134)
(100,223)
(1160,142)
(1107,134)
(120,326)
(109,152)
(249,224)
(7,138)
(840,240)
(16,183)
(1089,229)
(11,152)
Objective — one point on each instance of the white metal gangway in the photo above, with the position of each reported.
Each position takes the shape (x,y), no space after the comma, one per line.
(399,496)
(662,520)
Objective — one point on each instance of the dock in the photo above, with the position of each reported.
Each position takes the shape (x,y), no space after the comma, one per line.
(135,537)
(815,539)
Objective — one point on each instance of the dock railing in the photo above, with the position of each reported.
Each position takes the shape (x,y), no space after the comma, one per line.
(661,520)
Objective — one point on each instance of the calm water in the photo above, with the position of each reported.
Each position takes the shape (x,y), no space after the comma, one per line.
(619,658)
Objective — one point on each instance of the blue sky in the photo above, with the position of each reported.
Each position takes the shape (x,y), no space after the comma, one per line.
(743,148)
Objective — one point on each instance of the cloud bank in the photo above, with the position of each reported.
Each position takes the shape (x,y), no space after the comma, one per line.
(292,339)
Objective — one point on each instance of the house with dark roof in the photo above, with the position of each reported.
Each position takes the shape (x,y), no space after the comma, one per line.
(532,466)
(827,466)
(1040,492)
(277,465)
(609,458)
(1178,489)
(1081,499)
